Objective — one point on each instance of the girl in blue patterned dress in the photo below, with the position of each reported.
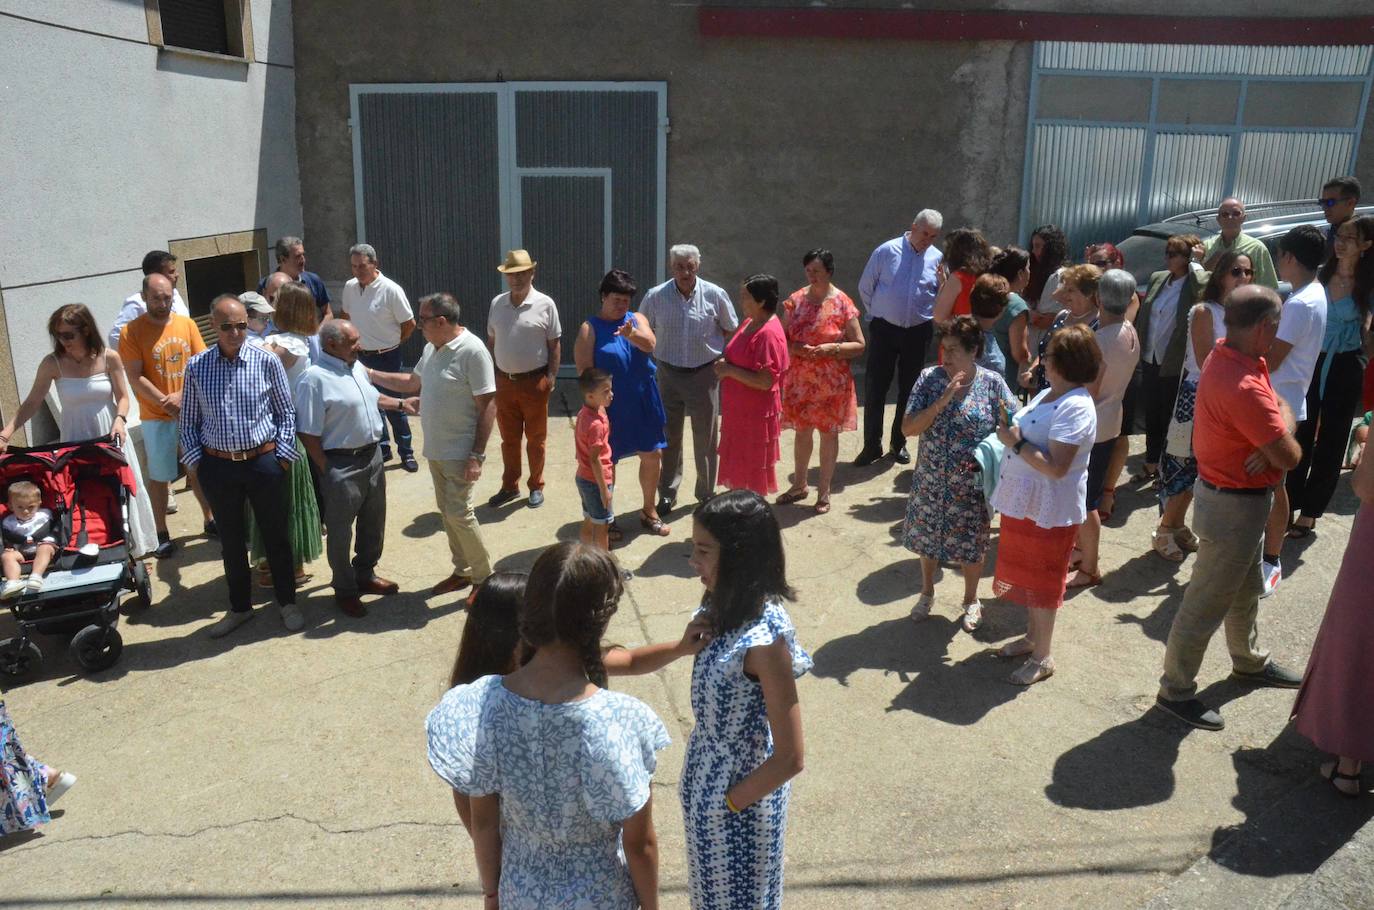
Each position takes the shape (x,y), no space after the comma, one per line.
(747,742)
(557,767)
(27,786)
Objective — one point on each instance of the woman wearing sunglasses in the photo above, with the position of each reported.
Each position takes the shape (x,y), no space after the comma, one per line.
(93,395)
(1178,469)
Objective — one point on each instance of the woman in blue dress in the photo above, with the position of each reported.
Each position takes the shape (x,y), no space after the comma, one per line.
(747,742)
(557,767)
(620,342)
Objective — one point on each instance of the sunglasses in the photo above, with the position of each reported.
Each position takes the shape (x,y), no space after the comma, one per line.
(1329,202)
(68,336)
(233,326)
(1238,271)
(1101,263)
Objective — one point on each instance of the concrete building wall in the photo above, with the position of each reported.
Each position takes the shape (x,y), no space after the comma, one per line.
(112,147)
(776,146)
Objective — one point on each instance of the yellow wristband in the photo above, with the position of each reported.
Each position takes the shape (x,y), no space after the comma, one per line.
(730,804)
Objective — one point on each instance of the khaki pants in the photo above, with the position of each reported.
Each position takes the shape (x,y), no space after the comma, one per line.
(453,495)
(1225,589)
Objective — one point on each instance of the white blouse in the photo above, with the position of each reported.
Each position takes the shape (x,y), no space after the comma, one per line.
(1022,491)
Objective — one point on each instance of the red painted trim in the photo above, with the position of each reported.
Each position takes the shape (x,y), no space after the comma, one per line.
(938,25)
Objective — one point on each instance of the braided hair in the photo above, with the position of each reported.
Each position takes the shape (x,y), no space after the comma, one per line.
(573,591)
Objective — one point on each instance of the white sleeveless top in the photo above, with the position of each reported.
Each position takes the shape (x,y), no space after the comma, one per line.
(1191,370)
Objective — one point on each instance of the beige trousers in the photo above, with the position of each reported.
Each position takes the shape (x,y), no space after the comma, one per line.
(453,495)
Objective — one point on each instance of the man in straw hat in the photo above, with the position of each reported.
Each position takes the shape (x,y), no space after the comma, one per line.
(524,335)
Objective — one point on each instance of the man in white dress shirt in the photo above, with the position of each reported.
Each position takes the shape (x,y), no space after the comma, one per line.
(157,262)
(338,419)
(525,338)
(378,308)
(1291,360)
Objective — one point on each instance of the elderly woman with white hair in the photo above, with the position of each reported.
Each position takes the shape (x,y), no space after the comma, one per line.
(1120,347)
(691,319)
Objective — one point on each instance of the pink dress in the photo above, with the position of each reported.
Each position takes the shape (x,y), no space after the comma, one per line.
(819,394)
(1333,705)
(751,419)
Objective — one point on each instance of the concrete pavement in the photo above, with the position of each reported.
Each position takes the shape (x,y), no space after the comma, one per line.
(270,769)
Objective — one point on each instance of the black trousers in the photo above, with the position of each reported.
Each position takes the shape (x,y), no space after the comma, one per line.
(1156,402)
(261,483)
(1325,433)
(891,349)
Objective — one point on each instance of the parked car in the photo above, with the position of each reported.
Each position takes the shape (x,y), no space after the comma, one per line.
(1265,221)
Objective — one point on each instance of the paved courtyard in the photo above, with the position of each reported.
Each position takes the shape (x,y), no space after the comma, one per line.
(270,769)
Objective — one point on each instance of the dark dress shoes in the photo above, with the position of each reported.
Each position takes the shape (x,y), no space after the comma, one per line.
(901,456)
(378,585)
(451,584)
(351,606)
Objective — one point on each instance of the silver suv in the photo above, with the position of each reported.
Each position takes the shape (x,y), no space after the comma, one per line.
(1265,221)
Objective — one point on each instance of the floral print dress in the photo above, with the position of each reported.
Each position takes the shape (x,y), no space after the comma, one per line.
(23,782)
(947,514)
(734,860)
(569,776)
(818,394)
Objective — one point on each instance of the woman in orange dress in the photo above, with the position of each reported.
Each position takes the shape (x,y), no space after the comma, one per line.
(823,335)
(750,392)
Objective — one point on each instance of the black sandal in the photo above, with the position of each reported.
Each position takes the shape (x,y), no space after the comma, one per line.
(613,532)
(1298,532)
(1333,775)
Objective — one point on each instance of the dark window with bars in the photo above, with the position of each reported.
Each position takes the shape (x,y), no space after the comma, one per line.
(201,25)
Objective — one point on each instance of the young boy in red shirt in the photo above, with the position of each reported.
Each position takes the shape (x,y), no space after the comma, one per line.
(595,474)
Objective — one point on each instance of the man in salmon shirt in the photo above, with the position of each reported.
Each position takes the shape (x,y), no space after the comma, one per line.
(1243,442)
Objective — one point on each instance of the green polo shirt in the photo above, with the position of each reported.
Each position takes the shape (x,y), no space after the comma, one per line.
(1255,249)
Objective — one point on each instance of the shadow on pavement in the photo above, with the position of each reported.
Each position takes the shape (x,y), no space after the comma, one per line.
(670,560)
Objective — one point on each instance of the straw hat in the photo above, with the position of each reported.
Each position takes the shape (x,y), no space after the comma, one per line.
(516,261)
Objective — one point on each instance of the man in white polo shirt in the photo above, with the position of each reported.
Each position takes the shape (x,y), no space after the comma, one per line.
(378,308)
(1291,361)
(524,335)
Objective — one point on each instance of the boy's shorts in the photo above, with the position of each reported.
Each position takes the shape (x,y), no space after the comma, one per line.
(592,509)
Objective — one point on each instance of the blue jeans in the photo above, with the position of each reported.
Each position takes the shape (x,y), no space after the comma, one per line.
(390,362)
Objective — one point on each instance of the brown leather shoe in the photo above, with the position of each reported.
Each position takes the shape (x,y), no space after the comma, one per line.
(451,584)
(351,606)
(378,585)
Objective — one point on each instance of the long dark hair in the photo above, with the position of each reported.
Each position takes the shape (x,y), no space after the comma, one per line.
(573,591)
(1364,269)
(491,635)
(1212,292)
(1056,248)
(751,567)
(966,249)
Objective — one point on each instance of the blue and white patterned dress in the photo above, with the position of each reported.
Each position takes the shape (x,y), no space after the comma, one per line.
(734,860)
(23,782)
(569,776)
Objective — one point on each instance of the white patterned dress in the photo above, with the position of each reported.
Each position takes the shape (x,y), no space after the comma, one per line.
(734,860)
(569,776)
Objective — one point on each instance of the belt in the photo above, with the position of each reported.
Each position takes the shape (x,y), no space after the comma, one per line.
(380,350)
(360,450)
(528,374)
(1235,491)
(245,455)
(678,369)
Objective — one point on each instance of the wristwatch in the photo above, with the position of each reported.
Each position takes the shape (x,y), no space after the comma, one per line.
(1019,444)
(480,456)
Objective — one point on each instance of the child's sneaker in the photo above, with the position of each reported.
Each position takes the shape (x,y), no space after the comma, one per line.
(12,588)
(34,584)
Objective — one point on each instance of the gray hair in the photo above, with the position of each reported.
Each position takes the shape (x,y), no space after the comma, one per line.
(1114,290)
(332,331)
(442,304)
(930,218)
(285,245)
(683,251)
(363,249)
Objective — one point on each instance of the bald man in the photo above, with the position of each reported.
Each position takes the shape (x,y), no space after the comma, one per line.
(155,349)
(1231,217)
(272,283)
(238,430)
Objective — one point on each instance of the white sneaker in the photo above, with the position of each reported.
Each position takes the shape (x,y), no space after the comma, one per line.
(1272,576)
(229,622)
(973,616)
(34,584)
(171,501)
(292,618)
(13,587)
(921,611)
(62,785)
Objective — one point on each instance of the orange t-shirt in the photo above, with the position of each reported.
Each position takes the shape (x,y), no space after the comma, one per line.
(1236,413)
(164,351)
(593,428)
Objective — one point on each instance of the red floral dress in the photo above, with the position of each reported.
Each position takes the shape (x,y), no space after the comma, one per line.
(749,418)
(819,394)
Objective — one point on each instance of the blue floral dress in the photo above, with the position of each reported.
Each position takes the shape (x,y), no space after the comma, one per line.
(947,514)
(569,776)
(734,860)
(23,782)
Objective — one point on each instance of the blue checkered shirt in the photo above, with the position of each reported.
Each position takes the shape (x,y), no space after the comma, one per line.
(235,405)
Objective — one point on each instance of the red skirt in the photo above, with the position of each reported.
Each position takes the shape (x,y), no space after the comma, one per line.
(1033,563)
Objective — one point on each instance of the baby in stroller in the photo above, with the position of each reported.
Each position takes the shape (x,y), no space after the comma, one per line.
(27,532)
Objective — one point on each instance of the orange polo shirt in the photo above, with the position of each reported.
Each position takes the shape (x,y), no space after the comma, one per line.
(1236,413)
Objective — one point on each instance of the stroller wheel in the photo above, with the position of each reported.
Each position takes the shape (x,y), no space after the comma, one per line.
(143,585)
(19,658)
(96,648)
